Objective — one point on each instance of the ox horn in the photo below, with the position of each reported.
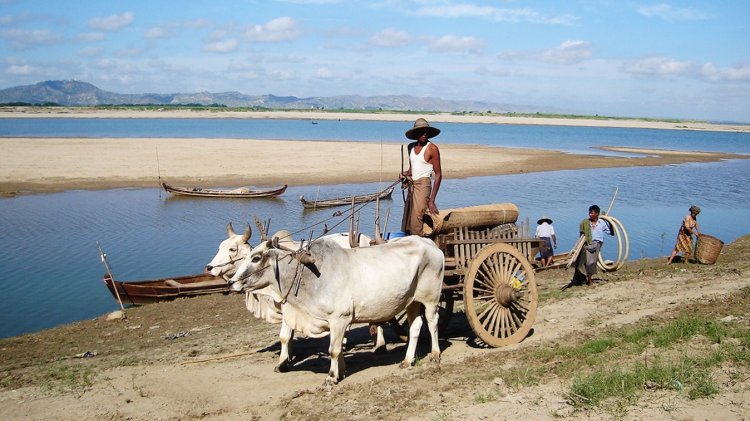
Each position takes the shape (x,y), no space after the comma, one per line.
(248,233)
(263,234)
(230,230)
(378,237)
(352,236)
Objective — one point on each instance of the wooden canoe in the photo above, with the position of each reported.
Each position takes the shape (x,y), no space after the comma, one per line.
(151,291)
(343,201)
(241,193)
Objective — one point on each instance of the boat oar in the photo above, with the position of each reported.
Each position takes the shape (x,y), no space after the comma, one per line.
(111,277)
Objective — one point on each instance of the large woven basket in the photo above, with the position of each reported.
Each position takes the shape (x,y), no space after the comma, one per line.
(707,249)
(480,216)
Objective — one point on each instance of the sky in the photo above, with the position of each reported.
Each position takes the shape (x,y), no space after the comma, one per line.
(675,59)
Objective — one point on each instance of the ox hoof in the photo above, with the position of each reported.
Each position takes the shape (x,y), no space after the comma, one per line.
(435,357)
(330,382)
(405,364)
(281,368)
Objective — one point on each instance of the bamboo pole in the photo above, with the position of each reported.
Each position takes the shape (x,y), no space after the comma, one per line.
(109,272)
(612,202)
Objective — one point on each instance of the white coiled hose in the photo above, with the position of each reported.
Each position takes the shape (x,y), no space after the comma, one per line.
(623,245)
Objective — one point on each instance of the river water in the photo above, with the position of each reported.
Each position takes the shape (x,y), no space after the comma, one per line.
(51,272)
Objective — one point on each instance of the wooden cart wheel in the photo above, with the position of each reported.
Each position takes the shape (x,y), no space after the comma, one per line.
(500,295)
(445,311)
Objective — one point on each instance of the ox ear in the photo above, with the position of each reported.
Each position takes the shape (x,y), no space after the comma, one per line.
(306,258)
(230,230)
(248,233)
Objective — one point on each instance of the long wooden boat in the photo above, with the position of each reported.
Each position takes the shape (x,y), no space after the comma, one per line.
(242,192)
(343,201)
(165,289)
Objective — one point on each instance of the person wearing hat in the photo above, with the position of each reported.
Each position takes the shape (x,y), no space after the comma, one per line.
(685,235)
(424,166)
(546,232)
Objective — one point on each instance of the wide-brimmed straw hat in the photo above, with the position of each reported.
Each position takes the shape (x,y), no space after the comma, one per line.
(422,126)
(543,220)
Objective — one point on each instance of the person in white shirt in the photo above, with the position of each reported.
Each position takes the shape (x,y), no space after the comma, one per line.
(546,232)
(594,229)
(424,166)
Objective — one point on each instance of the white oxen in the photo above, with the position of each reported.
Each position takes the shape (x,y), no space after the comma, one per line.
(329,287)
(261,302)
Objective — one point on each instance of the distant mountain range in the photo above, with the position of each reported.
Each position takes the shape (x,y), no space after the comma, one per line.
(76,93)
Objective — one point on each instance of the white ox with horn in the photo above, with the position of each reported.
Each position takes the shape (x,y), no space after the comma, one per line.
(326,288)
(261,303)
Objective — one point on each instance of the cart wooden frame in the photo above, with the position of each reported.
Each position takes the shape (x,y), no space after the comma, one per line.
(490,270)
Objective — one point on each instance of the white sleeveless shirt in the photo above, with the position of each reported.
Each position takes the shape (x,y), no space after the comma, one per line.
(419,167)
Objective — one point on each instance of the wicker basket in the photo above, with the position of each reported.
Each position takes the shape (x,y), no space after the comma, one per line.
(707,249)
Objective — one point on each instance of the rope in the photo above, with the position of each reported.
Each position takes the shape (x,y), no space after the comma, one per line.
(337,214)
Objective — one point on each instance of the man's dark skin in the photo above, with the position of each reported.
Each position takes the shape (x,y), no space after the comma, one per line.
(432,156)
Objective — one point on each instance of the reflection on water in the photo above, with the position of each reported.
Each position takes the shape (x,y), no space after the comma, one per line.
(51,272)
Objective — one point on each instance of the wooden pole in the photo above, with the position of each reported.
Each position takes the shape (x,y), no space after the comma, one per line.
(109,272)
(609,209)
(158,171)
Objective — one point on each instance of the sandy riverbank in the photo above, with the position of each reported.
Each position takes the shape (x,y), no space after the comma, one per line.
(58,164)
(83,112)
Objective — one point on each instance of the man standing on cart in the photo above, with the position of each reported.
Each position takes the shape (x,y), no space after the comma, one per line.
(424,165)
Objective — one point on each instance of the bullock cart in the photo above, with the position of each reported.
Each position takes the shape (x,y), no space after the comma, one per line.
(488,266)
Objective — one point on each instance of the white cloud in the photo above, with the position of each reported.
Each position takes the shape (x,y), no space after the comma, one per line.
(280,29)
(90,36)
(23,38)
(20,70)
(390,37)
(220,46)
(453,43)
(658,66)
(569,52)
(324,73)
(311,1)
(90,52)
(113,22)
(128,52)
(495,13)
(157,32)
(671,14)
(733,74)
(280,75)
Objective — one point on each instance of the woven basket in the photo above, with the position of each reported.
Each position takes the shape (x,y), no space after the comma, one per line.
(475,217)
(707,249)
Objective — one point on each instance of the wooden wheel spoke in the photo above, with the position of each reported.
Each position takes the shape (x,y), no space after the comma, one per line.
(516,319)
(489,275)
(481,311)
(506,275)
(482,279)
(505,324)
(490,320)
(501,324)
(484,297)
(492,268)
(497,266)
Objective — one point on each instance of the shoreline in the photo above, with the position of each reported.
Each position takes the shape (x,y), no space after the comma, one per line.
(44,165)
(436,117)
